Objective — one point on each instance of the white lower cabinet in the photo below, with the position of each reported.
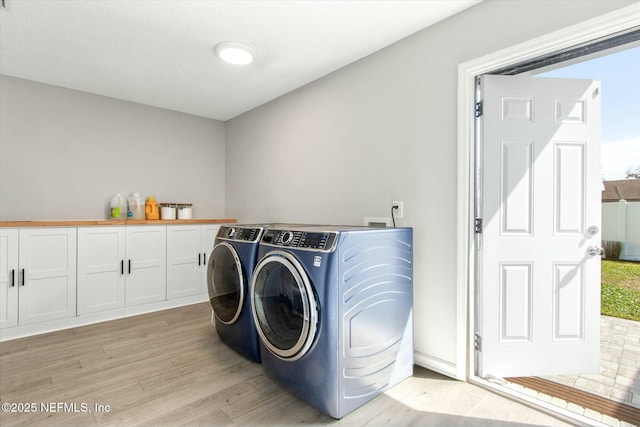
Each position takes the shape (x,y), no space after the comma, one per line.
(101,269)
(188,250)
(37,275)
(146,264)
(209,233)
(120,267)
(9,279)
(55,273)
(47,262)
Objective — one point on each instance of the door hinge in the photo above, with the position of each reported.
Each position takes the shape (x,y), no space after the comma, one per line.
(478,108)
(477,225)
(477,342)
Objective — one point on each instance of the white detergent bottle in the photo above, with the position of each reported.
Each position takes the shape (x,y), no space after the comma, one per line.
(118,211)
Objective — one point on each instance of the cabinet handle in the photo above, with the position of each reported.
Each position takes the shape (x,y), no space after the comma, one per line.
(129,266)
(23,277)
(121,267)
(199,255)
(204,258)
(13,278)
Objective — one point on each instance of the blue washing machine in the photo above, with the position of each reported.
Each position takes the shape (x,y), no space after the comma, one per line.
(333,309)
(229,272)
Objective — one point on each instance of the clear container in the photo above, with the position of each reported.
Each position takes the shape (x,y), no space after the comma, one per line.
(136,207)
(185,210)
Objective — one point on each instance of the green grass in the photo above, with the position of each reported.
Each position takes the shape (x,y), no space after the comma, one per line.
(621,289)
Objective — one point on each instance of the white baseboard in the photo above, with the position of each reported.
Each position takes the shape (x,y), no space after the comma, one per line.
(437,365)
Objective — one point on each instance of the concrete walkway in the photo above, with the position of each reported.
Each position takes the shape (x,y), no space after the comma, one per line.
(619,377)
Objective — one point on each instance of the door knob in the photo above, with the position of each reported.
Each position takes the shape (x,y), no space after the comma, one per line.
(594,250)
(593,230)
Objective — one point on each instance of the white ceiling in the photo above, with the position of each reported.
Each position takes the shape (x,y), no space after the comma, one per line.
(160,53)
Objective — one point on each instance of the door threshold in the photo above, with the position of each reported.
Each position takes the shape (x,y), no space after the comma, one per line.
(581,398)
(541,402)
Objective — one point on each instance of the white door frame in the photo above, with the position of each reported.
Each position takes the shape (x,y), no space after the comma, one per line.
(602,26)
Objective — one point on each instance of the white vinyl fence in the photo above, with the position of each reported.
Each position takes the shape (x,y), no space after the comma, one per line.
(621,222)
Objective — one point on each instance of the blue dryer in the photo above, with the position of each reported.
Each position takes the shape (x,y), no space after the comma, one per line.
(229,272)
(333,309)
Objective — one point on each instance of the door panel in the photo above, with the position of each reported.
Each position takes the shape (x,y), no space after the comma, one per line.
(146,250)
(568,302)
(184,261)
(9,278)
(47,261)
(517,186)
(569,188)
(209,233)
(515,302)
(539,290)
(101,275)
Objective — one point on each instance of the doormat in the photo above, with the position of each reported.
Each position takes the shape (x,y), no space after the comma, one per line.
(608,407)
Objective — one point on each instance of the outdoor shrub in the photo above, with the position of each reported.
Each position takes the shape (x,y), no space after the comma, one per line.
(612,249)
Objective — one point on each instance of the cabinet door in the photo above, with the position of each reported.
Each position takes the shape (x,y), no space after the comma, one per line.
(184,260)
(8,278)
(101,269)
(209,233)
(146,264)
(47,264)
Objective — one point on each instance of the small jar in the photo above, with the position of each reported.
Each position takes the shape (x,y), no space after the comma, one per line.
(167,211)
(185,210)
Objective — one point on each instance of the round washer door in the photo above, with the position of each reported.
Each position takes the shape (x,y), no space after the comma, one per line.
(284,307)
(226,283)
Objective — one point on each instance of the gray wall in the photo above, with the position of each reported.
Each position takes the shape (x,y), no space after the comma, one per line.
(384,129)
(343,147)
(64,153)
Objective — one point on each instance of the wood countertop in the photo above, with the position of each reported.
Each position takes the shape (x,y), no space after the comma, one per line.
(107,222)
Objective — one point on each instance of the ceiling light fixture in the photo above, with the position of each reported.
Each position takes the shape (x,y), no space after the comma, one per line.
(234,53)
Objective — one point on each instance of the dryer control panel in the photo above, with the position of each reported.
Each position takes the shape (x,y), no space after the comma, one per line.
(240,233)
(313,241)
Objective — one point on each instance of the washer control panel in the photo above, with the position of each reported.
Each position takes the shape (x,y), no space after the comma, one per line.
(318,241)
(230,232)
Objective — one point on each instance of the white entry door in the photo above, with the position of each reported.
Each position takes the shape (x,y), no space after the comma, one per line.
(538,260)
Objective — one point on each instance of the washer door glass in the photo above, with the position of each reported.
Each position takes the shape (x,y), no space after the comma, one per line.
(225,283)
(284,307)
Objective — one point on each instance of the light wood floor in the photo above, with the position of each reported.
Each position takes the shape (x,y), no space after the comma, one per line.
(170,368)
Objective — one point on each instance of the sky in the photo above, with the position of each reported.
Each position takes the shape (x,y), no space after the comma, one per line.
(619,74)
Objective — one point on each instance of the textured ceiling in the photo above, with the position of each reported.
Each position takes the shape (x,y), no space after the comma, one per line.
(160,53)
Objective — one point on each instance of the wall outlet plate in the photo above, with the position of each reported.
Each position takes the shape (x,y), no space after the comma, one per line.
(398,213)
